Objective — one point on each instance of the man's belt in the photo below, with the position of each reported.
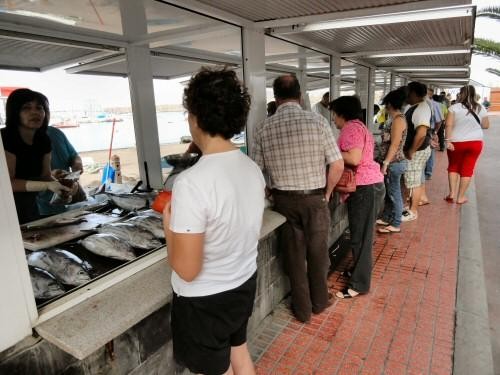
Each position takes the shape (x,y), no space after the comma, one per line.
(299,192)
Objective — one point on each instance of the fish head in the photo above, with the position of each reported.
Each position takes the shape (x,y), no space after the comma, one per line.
(82,276)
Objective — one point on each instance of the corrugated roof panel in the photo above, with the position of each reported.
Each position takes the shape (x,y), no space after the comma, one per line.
(25,55)
(263,10)
(422,60)
(432,33)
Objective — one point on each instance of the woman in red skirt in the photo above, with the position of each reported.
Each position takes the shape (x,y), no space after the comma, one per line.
(464,140)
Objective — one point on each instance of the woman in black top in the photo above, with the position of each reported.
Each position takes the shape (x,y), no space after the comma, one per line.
(27,150)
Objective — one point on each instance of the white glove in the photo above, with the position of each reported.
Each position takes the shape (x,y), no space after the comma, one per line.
(53,186)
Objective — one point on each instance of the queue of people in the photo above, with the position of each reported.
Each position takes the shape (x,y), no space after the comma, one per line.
(213,221)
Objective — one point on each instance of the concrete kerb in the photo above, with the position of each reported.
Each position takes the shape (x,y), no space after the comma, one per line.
(473,353)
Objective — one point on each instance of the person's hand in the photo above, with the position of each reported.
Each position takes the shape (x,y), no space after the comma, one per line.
(57,187)
(383,169)
(328,197)
(409,154)
(449,146)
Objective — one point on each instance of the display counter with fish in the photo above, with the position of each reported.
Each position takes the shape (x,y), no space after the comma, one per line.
(67,252)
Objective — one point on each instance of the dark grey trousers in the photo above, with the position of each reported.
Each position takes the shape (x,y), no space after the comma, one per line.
(304,240)
(363,207)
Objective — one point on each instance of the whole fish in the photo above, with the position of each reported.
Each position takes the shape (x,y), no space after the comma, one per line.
(133,235)
(45,285)
(65,266)
(148,222)
(108,245)
(129,202)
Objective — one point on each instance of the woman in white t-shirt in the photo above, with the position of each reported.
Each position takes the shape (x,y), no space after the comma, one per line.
(464,140)
(212,230)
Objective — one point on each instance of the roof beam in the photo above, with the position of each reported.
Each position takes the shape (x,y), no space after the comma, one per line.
(358,13)
(380,19)
(182,35)
(291,56)
(78,60)
(96,64)
(447,68)
(441,50)
(198,55)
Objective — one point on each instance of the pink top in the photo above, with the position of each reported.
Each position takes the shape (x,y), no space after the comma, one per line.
(353,135)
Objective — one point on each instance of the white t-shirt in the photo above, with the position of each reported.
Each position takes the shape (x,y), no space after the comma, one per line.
(422,115)
(222,196)
(322,110)
(465,127)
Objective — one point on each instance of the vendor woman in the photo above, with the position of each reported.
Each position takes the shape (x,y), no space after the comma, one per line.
(28,151)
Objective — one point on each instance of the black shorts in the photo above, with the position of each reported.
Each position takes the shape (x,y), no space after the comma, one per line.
(205,328)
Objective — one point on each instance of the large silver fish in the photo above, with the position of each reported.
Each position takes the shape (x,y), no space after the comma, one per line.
(149,222)
(135,236)
(108,245)
(129,202)
(65,266)
(45,285)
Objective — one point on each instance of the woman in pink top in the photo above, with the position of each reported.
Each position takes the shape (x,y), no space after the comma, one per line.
(356,144)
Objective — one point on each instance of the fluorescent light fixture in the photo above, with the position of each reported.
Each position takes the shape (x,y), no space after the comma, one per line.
(384,19)
(50,17)
(442,52)
(431,69)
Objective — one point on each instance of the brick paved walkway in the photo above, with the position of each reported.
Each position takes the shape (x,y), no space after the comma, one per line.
(405,325)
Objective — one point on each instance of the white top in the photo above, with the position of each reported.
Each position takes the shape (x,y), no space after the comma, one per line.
(422,115)
(465,127)
(322,110)
(222,195)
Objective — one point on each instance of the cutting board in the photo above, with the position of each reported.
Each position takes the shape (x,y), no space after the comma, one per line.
(37,239)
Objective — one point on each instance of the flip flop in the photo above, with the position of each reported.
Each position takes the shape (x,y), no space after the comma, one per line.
(464,201)
(347,273)
(381,222)
(449,199)
(423,203)
(389,229)
(344,294)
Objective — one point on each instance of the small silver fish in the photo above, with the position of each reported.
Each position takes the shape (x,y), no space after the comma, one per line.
(135,236)
(45,285)
(108,245)
(150,223)
(65,266)
(129,202)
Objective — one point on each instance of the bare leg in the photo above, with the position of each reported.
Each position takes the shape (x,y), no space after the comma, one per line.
(464,185)
(423,195)
(415,198)
(453,178)
(241,362)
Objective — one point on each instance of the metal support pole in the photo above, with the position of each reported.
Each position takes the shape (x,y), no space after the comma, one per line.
(334,77)
(370,98)
(142,94)
(392,86)
(306,104)
(254,72)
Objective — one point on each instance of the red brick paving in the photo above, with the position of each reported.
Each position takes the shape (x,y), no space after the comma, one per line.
(405,325)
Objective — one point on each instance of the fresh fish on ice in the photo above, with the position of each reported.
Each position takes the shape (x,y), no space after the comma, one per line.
(108,245)
(65,266)
(135,236)
(129,202)
(45,285)
(150,223)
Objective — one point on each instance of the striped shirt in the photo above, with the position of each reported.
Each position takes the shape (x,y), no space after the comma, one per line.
(293,148)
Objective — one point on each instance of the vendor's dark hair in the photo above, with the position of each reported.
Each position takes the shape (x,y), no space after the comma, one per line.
(219,101)
(468,98)
(396,98)
(286,87)
(348,107)
(418,88)
(15,102)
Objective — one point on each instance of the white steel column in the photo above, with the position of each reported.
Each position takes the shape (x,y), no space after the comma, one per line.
(370,98)
(306,104)
(334,77)
(140,77)
(254,72)
(392,86)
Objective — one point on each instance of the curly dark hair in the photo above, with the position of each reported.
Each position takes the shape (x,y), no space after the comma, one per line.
(396,98)
(348,107)
(420,89)
(219,101)
(15,102)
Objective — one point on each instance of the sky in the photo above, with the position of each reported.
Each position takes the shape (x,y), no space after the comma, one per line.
(77,92)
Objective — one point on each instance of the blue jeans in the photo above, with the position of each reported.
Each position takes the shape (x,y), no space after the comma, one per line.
(393,208)
(429,166)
